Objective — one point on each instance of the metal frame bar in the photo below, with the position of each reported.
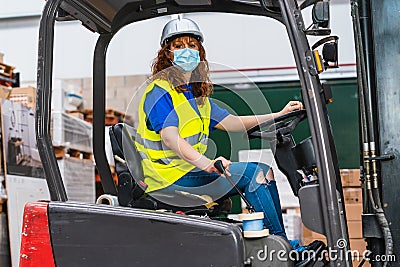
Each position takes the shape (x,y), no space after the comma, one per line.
(99,106)
(325,153)
(43,102)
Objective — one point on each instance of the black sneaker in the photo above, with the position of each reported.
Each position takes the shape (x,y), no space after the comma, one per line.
(311,253)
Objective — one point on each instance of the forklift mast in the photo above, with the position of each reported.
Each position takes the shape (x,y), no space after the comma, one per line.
(376,31)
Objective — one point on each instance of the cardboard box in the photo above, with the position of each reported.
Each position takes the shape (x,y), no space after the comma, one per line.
(358,244)
(353,212)
(352,195)
(5,91)
(308,240)
(24,95)
(358,247)
(355,229)
(308,234)
(350,177)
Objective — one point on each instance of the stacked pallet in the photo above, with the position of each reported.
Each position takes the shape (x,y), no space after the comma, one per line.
(72,142)
(353,205)
(112,116)
(6,74)
(79,178)
(7,80)
(24,95)
(71,133)
(8,77)
(4,93)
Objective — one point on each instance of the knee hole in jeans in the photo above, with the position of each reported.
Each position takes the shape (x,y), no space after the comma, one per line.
(261,179)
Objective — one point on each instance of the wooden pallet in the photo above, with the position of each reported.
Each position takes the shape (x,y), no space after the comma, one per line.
(3,203)
(64,152)
(112,116)
(114,175)
(6,74)
(6,70)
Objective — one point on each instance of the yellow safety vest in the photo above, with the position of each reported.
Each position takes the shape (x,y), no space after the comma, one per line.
(162,166)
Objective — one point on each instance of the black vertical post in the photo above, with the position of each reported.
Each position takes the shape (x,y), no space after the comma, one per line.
(43,102)
(366,76)
(334,215)
(99,107)
(386,45)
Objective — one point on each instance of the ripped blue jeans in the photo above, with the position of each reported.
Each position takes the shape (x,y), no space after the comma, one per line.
(263,195)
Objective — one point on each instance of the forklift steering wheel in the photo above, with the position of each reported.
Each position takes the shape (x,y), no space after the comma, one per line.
(277,126)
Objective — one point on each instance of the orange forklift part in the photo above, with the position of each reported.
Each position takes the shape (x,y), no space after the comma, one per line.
(318,61)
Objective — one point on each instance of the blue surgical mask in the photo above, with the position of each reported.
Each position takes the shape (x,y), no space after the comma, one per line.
(186,59)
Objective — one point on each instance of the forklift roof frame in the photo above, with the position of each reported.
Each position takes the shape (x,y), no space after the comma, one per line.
(107,17)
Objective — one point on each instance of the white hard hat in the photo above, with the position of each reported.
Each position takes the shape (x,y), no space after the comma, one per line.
(180,26)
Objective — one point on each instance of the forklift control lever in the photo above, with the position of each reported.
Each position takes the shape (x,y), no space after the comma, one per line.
(220,167)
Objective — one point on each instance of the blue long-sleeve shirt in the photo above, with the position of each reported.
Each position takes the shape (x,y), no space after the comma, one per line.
(160,111)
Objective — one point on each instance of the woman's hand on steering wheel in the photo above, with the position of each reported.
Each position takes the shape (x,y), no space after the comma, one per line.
(283,122)
(290,106)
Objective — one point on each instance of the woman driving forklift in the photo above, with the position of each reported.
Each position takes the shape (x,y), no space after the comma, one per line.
(176,116)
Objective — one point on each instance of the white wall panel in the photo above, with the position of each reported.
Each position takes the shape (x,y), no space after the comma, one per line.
(19,40)
(236,41)
(17,8)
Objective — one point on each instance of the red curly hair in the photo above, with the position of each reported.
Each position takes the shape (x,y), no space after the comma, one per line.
(200,80)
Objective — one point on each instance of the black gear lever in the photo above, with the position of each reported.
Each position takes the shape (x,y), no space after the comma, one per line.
(220,167)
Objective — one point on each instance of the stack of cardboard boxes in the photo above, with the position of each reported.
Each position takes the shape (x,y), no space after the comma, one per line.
(24,95)
(353,205)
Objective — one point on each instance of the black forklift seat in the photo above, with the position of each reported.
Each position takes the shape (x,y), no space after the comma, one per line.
(131,187)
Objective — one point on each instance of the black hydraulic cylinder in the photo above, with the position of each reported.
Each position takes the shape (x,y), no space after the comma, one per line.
(386,45)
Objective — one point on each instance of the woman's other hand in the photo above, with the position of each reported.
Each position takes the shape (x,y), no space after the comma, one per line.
(291,106)
(226,163)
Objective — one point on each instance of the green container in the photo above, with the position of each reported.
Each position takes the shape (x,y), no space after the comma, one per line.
(261,98)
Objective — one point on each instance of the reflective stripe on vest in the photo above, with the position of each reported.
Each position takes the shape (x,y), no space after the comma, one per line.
(161,165)
(160,145)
